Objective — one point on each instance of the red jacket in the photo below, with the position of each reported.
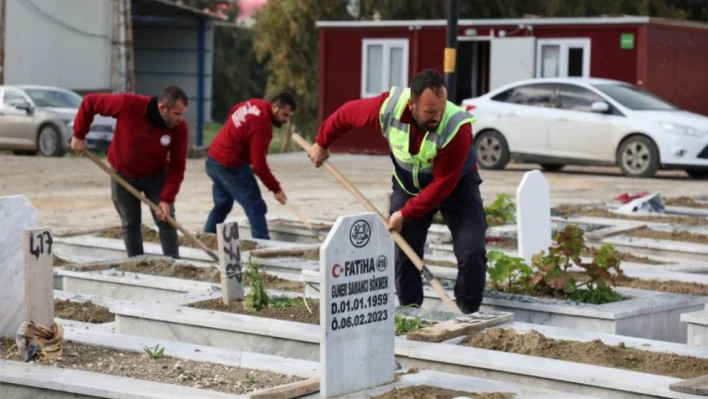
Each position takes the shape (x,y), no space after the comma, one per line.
(448,162)
(138,149)
(245,138)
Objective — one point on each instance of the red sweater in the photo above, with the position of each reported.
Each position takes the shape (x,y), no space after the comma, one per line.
(138,149)
(447,165)
(245,138)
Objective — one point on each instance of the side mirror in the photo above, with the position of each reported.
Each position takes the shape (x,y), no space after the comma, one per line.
(600,107)
(25,106)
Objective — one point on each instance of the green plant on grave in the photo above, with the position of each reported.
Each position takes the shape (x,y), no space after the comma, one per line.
(154,353)
(551,273)
(404,325)
(257,297)
(507,273)
(501,211)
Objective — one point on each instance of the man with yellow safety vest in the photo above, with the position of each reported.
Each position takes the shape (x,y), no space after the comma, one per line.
(434,170)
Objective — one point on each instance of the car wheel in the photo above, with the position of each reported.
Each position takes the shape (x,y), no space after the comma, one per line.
(49,141)
(697,173)
(638,157)
(491,150)
(552,167)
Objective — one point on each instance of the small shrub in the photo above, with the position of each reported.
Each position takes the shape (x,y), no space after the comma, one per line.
(501,211)
(550,275)
(257,298)
(507,273)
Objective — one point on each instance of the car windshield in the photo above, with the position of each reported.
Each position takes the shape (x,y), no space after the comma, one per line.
(54,98)
(634,98)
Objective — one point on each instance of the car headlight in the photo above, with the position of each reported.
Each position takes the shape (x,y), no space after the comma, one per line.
(683,129)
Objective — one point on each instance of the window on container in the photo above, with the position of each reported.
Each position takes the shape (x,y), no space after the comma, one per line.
(550,61)
(384,64)
(575,62)
(563,58)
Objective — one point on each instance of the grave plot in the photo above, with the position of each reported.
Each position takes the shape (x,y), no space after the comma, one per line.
(108,244)
(558,291)
(95,364)
(151,277)
(573,360)
(281,229)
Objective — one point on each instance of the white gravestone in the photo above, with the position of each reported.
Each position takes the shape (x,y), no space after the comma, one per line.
(230,262)
(16,215)
(39,276)
(356,306)
(533,204)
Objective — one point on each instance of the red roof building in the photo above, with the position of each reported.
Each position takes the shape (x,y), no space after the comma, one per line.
(363,58)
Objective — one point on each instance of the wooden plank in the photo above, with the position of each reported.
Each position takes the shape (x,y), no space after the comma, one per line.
(613,231)
(39,276)
(460,326)
(693,386)
(289,391)
(230,262)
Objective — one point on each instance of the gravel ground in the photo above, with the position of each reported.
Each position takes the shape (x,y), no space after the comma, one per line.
(73,195)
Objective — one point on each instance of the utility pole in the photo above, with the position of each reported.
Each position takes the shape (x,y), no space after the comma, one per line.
(129,53)
(451,50)
(115,44)
(3,7)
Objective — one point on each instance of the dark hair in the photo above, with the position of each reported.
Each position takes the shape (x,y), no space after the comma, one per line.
(426,79)
(171,94)
(283,99)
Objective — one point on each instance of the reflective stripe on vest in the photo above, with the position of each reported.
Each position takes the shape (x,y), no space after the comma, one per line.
(397,134)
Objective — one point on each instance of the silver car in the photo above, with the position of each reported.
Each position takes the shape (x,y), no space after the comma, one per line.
(39,119)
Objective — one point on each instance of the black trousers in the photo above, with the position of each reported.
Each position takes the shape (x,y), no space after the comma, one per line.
(128,207)
(465,217)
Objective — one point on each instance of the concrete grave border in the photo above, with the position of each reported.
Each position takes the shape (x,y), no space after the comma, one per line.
(91,247)
(23,379)
(135,286)
(571,377)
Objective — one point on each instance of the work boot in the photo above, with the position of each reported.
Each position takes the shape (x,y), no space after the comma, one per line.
(469,306)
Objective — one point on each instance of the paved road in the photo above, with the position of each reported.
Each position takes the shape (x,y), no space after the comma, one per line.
(72,194)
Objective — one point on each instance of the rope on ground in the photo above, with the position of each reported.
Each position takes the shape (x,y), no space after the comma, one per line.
(38,342)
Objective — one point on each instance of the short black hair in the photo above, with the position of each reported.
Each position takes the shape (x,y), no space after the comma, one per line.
(171,94)
(426,79)
(283,99)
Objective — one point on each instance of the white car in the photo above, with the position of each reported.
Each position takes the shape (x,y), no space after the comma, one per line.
(555,122)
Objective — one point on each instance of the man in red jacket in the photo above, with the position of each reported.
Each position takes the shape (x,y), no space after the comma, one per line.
(238,151)
(148,150)
(434,169)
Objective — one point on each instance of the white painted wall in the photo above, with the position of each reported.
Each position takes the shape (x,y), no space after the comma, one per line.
(511,59)
(42,51)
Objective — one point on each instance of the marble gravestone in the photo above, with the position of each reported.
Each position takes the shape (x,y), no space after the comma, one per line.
(533,204)
(230,262)
(16,215)
(356,306)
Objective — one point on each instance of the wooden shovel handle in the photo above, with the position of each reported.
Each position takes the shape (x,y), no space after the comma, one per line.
(149,203)
(452,306)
